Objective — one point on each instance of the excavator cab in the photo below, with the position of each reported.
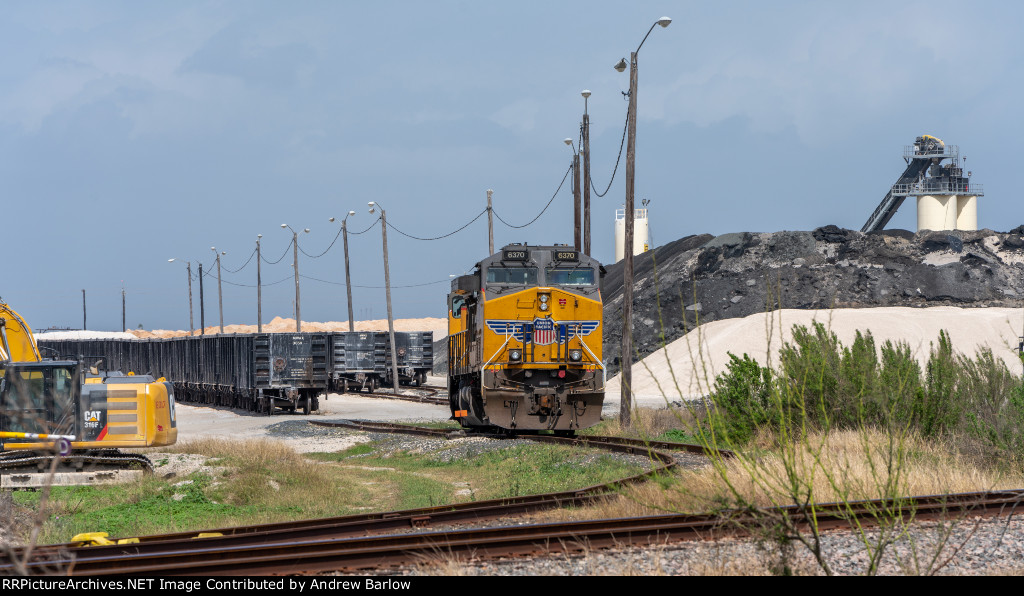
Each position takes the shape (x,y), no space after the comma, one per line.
(40,398)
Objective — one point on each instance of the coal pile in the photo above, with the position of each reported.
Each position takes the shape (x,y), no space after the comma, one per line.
(704,278)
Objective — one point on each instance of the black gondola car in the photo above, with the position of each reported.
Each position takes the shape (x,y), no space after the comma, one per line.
(260,372)
(362,359)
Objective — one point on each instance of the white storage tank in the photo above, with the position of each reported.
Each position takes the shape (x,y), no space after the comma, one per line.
(641,233)
(947,212)
(967,212)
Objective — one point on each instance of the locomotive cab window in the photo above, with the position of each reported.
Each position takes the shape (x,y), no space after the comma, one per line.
(515,276)
(569,276)
(457,303)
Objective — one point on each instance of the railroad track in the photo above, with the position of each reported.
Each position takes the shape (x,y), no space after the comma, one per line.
(357,543)
(430,398)
(295,553)
(102,559)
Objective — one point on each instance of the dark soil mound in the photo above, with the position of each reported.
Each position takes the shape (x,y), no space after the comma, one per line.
(704,278)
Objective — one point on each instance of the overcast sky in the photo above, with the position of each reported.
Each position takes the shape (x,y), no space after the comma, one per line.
(134,132)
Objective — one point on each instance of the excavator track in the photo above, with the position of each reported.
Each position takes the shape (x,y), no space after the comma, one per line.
(31,469)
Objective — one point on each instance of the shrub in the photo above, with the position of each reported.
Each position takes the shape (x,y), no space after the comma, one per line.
(742,399)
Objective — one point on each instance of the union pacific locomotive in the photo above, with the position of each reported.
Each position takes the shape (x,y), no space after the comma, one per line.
(524,341)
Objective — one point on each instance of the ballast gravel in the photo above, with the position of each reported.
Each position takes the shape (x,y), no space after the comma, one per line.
(971,546)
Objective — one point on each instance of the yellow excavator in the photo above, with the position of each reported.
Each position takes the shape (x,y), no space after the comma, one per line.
(64,424)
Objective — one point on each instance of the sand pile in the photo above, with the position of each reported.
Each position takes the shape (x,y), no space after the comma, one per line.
(699,355)
(79,334)
(281,325)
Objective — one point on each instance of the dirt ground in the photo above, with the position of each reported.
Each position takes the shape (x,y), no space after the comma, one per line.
(195,422)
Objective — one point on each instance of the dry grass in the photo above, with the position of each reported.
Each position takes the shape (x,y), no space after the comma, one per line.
(929,469)
(649,423)
(269,474)
(856,461)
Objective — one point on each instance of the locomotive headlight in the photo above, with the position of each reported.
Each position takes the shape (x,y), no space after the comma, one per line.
(544,298)
(515,355)
(543,305)
(575,355)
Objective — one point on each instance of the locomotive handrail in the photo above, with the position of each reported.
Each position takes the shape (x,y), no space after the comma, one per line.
(576,333)
(592,355)
(508,337)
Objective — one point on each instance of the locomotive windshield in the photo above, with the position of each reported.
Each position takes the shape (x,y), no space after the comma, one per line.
(520,276)
(569,276)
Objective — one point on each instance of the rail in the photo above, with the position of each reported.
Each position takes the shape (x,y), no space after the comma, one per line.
(348,544)
(458,353)
(938,188)
(949,151)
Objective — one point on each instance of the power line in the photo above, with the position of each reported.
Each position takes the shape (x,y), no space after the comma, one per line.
(390,225)
(370,227)
(337,283)
(564,178)
(254,285)
(285,253)
(622,144)
(244,265)
(325,250)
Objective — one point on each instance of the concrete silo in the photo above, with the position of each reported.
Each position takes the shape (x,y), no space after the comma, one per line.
(641,233)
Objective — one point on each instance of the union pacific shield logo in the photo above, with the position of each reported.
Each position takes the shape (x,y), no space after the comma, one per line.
(544,332)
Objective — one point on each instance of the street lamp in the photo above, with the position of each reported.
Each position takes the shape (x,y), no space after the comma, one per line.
(348,280)
(259,286)
(220,295)
(295,265)
(387,286)
(188,268)
(585,150)
(626,375)
(575,193)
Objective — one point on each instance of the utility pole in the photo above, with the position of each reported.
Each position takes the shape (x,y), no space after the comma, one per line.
(626,358)
(387,286)
(259,287)
(490,223)
(348,278)
(202,304)
(123,326)
(576,199)
(220,295)
(191,324)
(83,310)
(295,265)
(586,174)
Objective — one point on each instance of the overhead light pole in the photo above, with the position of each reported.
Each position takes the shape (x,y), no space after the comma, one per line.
(626,358)
(575,193)
(348,279)
(202,303)
(490,223)
(387,286)
(188,269)
(295,265)
(585,150)
(220,294)
(259,286)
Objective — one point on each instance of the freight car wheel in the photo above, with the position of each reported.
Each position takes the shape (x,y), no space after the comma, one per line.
(306,406)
